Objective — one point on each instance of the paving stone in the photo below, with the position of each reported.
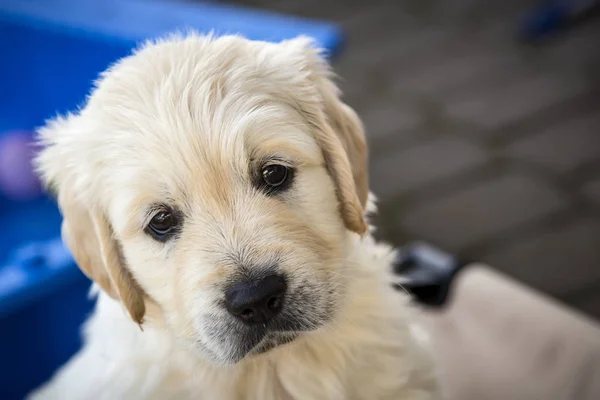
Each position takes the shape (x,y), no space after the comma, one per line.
(478,213)
(423,164)
(460,41)
(355,82)
(558,262)
(574,51)
(452,72)
(592,190)
(562,147)
(389,120)
(514,101)
(380,20)
(397,49)
(320,9)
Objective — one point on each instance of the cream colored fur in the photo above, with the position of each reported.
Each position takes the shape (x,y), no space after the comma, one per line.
(186,122)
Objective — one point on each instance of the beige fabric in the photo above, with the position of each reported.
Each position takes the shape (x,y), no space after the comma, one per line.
(499,340)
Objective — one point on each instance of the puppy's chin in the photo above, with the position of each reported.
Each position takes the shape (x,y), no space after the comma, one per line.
(228,341)
(244,341)
(231,342)
(254,345)
(272,340)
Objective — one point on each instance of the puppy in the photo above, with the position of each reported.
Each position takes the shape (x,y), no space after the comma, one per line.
(215,190)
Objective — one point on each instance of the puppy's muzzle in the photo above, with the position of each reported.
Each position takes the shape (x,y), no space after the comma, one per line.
(257,301)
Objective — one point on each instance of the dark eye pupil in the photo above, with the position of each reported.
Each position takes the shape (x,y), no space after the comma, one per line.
(162,222)
(165,223)
(275,175)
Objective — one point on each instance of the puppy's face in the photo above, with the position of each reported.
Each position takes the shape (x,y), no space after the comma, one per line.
(212,186)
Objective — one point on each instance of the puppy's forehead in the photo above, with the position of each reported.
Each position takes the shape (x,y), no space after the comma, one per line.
(199,107)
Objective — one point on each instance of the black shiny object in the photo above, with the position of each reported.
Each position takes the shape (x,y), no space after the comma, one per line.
(426,272)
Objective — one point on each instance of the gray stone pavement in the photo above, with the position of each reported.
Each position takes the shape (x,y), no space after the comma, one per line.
(480,144)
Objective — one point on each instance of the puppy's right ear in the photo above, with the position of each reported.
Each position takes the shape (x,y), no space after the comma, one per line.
(85,229)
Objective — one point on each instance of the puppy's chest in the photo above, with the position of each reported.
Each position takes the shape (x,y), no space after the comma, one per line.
(269,383)
(287,380)
(381,368)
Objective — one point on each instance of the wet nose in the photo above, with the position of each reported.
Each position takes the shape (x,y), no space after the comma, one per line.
(258,301)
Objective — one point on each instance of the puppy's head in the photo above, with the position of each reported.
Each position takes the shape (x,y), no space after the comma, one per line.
(213,184)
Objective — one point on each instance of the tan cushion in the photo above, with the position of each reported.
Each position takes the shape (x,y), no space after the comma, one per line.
(499,340)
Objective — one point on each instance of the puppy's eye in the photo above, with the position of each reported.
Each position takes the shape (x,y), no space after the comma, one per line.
(276,177)
(162,225)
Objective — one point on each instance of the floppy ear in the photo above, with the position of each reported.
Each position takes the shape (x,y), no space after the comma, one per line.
(340,134)
(85,230)
(348,164)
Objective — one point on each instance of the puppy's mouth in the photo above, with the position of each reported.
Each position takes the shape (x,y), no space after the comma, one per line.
(261,340)
(272,340)
(229,342)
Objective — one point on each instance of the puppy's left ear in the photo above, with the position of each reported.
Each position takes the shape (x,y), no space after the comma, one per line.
(339,132)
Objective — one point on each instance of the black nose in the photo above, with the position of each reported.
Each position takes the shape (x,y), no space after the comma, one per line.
(256,302)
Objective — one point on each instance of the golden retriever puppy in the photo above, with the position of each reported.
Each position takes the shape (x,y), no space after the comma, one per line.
(215,190)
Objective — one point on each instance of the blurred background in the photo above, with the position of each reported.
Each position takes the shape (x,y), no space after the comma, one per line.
(483,120)
(482,143)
